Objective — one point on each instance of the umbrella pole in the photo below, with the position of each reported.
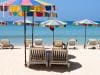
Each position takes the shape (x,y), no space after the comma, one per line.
(85,37)
(32,34)
(32,29)
(53,38)
(25,36)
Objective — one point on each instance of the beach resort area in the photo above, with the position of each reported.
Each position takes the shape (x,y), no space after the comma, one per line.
(42,37)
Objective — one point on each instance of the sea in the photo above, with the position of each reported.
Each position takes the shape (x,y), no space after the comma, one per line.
(15,33)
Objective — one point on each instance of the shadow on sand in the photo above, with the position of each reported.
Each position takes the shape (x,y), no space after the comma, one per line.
(57,68)
(71,56)
(10,49)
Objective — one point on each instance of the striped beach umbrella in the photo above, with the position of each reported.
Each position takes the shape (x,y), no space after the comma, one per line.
(52,24)
(85,23)
(25,7)
(23,2)
(7,2)
(55,23)
(29,22)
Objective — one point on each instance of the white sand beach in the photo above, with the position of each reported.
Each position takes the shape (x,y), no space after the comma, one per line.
(83,62)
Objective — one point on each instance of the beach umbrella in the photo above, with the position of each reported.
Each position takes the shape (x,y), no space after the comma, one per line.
(75,23)
(29,22)
(23,2)
(85,23)
(25,6)
(52,24)
(6,3)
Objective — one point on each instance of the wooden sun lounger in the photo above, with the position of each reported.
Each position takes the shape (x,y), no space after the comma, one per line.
(92,43)
(5,44)
(37,53)
(37,56)
(59,56)
(72,44)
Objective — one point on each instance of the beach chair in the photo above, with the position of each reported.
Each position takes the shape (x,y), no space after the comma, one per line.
(72,44)
(92,44)
(37,54)
(28,43)
(5,44)
(59,56)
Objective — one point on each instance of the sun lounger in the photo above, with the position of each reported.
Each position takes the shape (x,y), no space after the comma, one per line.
(37,54)
(5,44)
(59,55)
(72,44)
(28,43)
(92,43)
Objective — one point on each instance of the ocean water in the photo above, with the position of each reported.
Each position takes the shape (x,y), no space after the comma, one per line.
(16,33)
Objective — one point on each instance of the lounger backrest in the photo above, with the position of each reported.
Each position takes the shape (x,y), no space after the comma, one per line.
(58,43)
(5,42)
(98,41)
(28,42)
(38,54)
(59,54)
(38,43)
(93,42)
(72,42)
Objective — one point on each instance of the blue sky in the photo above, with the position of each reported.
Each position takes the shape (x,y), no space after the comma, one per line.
(74,9)
(78,9)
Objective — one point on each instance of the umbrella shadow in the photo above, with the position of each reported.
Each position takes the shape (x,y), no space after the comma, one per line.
(57,68)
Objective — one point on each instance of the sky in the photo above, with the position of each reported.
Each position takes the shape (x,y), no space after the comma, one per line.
(70,10)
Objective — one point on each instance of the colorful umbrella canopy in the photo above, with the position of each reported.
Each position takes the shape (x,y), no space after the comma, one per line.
(53,23)
(7,2)
(85,23)
(43,3)
(19,22)
(24,2)
(75,23)
(17,8)
(27,21)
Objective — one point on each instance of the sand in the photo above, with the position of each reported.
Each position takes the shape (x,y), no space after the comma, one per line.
(83,62)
